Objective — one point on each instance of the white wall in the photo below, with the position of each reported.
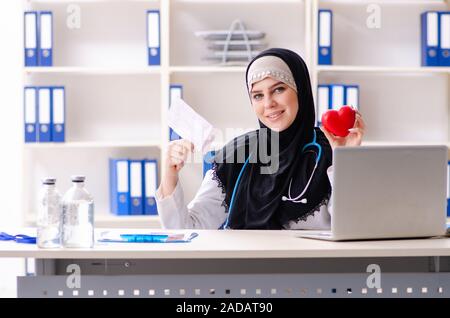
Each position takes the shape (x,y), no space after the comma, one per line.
(11,87)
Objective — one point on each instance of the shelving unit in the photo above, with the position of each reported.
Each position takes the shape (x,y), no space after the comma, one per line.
(116,105)
(207,69)
(386,2)
(131,144)
(401,101)
(93,70)
(383,69)
(89,1)
(113,101)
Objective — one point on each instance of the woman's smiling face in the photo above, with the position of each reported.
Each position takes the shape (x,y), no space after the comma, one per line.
(275,103)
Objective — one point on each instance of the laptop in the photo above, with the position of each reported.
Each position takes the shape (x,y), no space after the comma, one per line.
(386,192)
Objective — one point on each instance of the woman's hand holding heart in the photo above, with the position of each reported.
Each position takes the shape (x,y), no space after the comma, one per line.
(338,129)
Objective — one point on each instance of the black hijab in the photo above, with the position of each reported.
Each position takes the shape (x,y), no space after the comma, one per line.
(257,203)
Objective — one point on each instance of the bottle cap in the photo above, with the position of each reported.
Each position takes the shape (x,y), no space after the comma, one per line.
(78,178)
(49,180)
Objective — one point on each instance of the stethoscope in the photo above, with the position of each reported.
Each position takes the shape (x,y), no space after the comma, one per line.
(297,199)
(318,155)
(19,238)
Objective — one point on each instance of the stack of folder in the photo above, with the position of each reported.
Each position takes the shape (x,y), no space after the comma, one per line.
(133,186)
(38,29)
(334,96)
(435,38)
(38,38)
(44,114)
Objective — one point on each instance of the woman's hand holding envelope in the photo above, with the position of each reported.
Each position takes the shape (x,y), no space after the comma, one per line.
(176,156)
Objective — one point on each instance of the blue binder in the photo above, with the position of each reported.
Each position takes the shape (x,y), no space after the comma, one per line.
(207,161)
(153,37)
(175,91)
(30,110)
(31,38)
(444,39)
(45,38)
(45,114)
(448,189)
(323,101)
(337,98)
(119,186)
(59,114)
(430,38)
(351,97)
(150,185)
(136,187)
(325,37)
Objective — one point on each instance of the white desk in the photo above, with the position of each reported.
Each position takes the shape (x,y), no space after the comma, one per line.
(275,264)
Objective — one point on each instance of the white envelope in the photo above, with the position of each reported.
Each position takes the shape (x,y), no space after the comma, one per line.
(190,125)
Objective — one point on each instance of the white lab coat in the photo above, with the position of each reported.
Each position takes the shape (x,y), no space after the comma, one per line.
(206,210)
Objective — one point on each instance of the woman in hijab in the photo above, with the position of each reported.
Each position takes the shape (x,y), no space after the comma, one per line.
(243,190)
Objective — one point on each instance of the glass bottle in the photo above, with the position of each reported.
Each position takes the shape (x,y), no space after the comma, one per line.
(78,216)
(49,215)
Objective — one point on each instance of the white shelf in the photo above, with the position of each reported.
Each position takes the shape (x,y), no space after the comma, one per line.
(207,69)
(239,1)
(93,70)
(93,144)
(89,1)
(384,2)
(381,69)
(188,17)
(63,162)
(394,43)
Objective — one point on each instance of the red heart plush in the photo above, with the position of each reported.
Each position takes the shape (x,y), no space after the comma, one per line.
(339,122)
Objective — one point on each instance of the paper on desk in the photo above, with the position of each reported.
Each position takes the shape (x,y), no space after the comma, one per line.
(190,125)
(120,236)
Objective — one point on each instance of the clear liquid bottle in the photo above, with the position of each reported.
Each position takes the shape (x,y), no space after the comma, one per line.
(49,215)
(78,216)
